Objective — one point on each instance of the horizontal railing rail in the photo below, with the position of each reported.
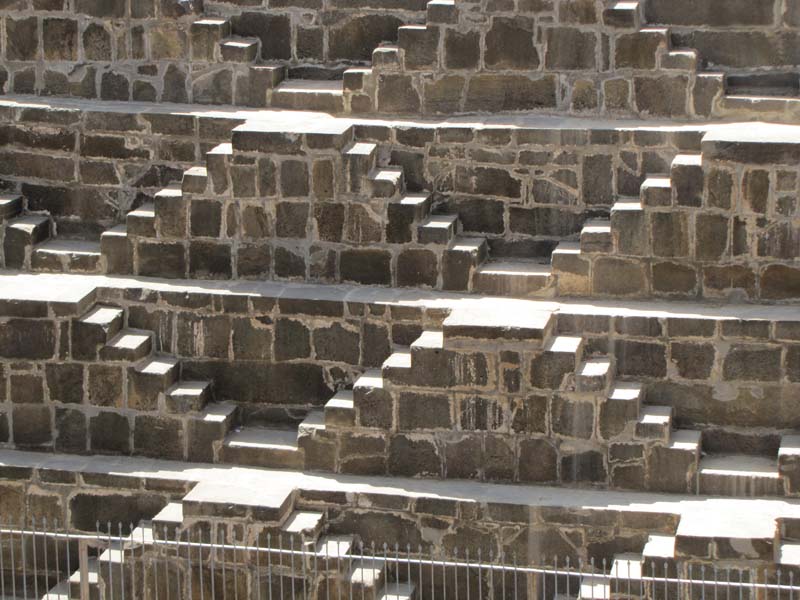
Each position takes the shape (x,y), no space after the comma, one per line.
(131,562)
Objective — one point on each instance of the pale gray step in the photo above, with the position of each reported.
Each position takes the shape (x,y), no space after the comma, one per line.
(240,49)
(596,236)
(438,229)
(339,410)
(309,94)
(512,277)
(739,475)
(142,221)
(260,446)
(67,256)
(655,423)
(128,345)
(189,396)
(10,206)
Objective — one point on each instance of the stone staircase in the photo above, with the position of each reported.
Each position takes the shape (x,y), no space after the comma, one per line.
(136,387)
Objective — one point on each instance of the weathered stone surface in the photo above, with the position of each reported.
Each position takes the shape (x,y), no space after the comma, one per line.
(509,44)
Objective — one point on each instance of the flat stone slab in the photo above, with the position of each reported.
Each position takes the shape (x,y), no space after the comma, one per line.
(760,143)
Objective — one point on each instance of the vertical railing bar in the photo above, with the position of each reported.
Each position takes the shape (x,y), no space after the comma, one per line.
(44,550)
(223,559)
(110,550)
(235,567)
(466,553)
(189,582)
(3,566)
(433,576)
(269,564)
(154,561)
(292,559)
(258,567)
(444,574)
(480,574)
(408,563)
(122,560)
(212,557)
(338,568)
(280,562)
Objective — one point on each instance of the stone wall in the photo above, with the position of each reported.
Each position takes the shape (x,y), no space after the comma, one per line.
(89,168)
(733,36)
(148,50)
(480,411)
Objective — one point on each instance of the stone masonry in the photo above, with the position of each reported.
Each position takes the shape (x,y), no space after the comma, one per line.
(511,275)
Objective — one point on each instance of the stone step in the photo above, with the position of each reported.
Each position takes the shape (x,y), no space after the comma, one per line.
(397,368)
(386,57)
(460,260)
(340,410)
(438,229)
(314,421)
(768,84)
(623,15)
(398,591)
(188,396)
(594,587)
(356,80)
(240,49)
(206,36)
(309,94)
(367,577)
(21,235)
(658,556)
(129,345)
(427,341)
(625,567)
(512,277)
(594,374)
(372,400)
(361,158)
(387,182)
(441,11)
(142,221)
(59,591)
(10,206)
(166,523)
(476,326)
(333,552)
(93,330)
(259,446)
(788,554)
(766,107)
(93,580)
(620,412)
(234,497)
(739,475)
(681,60)
(656,191)
(558,361)
(303,527)
(789,463)
(291,137)
(67,256)
(596,236)
(678,460)
(150,379)
(788,529)
(115,249)
(403,213)
(195,180)
(687,180)
(207,429)
(655,423)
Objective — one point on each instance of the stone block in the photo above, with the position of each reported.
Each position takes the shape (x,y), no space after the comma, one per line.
(570,49)
(510,44)
(60,39)
(205,218)
(670,234)
(572,418)
(461,50)
(583,467)
(417,267)
(674,279)
(65,382)
(413,457)
(750,362)
(159,259)
(638,50)
(617,277)
(337,343)
(70,431)
(158,437)
(663,96)
(424,411)
(27,339)
(366,266)
(32,425)
(692,360)
(538,461)
(507,92)
(22,38)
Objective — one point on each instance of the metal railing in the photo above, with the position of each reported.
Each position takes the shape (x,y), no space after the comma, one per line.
(207,561)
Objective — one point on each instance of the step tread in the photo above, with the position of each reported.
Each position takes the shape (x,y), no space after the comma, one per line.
(367,572)
(28,223)
(627,204)
(659,546)
(69,247)
(789,554)
(397,591)
(361,148)
(627,566)
(594,588)
(515,268)
(116,231)
(688,160)
(101,315)
(189,388)
(302,520)
(428,339)
(739,465)
(342,400)
(158,365)
(564,343)
(439,221)
(218,412)
(659,181)
(240,42)
(130,339)
(595,367)
(335,546)
(315,420)
(685,439)
(625,390)
(399,359)
(148,209)
(467,244)
(371,379)
(597,226)
(655,415)
(311,86)
(257,436)
(389,174)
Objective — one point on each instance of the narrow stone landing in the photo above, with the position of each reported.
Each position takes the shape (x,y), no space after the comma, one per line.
(701,518)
